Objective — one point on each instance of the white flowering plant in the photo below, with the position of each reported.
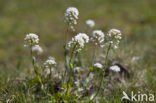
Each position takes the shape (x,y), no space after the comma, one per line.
(74,80)
(90,23)
(71,17)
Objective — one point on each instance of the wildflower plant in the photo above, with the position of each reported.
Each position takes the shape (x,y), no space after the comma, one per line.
(78,42)
(71,17)
(50,63)
(75,80)
(90,23)
(98,37)
(31,40)
(114,36)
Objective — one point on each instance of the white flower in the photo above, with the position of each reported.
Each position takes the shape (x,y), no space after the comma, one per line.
(50,62)
(90,23)
(37,49)
(31,39)
(79,41)
(115,37)
(115,68)
(115,32)
(98,37)
(82,37)
(71,16)
(98,65)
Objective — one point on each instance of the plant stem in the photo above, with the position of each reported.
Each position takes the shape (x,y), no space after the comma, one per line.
(66,40)
(70,62)
(35,67)
(105,66)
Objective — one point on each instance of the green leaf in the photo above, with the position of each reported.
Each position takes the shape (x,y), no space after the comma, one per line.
(37,73)
(39,79)
(37,69)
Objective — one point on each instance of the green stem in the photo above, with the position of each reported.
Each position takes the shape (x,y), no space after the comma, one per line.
(106,64)
(70,71)
(66,40)
(66,67)
(35,67)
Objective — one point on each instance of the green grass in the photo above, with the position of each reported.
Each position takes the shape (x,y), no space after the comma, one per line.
(135,18)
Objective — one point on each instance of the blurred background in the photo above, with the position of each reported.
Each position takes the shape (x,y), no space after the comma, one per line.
(135,18)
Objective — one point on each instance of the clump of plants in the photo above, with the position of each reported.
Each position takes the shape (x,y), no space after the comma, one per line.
(78,80)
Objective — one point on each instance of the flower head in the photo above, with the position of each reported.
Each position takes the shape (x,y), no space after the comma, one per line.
(98,37)
(98,65)
(115,68)
(115,37)
(31,39)
(71,16)
(37,49)
(79,41)
(90,23)
(115,32)
(50,62)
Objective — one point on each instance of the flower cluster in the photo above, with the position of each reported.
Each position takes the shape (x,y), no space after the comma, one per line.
(31,39)
(115,68)
(98,37)
(114,37)
(71,17)
(98,65)
(37,49)
(50,62)
(79,41)
(90,23)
